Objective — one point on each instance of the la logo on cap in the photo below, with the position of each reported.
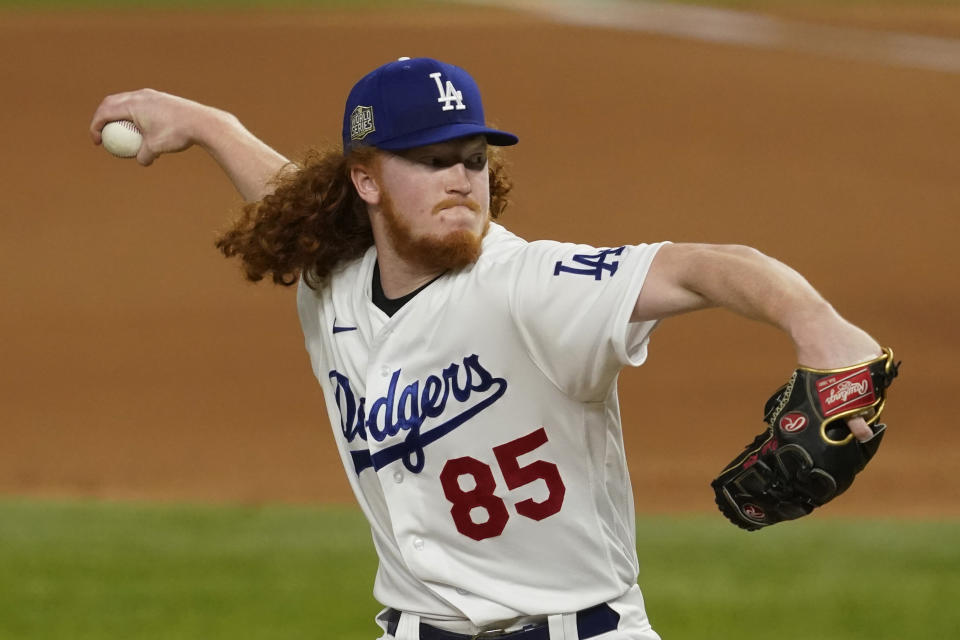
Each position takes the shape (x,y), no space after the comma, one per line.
(448,94)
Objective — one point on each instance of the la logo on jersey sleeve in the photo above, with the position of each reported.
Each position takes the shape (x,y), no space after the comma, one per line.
(591,264)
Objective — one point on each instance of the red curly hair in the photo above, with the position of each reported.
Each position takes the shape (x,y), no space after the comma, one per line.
(314,220)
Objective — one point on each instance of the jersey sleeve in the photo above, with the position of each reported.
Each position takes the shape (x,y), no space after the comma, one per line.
(572,304)
(308,309)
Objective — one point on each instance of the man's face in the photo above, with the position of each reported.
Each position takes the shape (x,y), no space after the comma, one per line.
(435,201)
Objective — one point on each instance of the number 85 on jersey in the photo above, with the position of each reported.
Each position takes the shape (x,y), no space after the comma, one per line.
(480,499)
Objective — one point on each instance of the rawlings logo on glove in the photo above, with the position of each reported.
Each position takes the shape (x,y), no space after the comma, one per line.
(807,455)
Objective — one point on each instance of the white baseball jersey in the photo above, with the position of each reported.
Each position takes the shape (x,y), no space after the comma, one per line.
(480,429)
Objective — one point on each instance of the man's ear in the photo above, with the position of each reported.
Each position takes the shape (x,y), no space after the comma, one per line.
(365,182)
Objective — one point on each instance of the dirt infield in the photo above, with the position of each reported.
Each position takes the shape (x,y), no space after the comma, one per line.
(137,364)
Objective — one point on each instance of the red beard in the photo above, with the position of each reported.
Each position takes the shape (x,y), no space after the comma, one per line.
(453,250)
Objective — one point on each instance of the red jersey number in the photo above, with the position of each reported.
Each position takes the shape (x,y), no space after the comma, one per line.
(482,494)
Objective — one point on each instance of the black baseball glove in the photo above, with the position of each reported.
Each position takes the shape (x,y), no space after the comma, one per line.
(807,455)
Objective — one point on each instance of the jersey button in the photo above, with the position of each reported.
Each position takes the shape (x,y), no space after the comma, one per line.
(398,476)
(384,371)
(418,544)
(463,592)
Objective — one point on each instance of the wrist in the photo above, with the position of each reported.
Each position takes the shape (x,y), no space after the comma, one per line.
(825,340)
(808,325)
(213,126)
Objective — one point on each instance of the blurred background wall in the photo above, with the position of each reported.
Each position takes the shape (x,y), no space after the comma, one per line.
(135,362)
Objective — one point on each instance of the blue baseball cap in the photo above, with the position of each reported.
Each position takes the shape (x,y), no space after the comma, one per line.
(413,102)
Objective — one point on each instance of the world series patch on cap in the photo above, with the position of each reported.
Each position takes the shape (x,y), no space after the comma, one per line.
(807,455)
(414,102)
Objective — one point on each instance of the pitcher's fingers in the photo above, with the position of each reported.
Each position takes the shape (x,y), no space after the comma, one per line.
(101,116)
(112,107)
(146,156)
(859,428)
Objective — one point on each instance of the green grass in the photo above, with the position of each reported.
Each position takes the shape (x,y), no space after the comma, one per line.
(817,578)
(830,4)
(373,4)
(100,570)
(208,4)
(116,570)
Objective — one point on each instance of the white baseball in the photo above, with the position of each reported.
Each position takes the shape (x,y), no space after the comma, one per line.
(122,138)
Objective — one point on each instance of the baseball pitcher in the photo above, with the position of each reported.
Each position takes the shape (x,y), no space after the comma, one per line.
(470,376)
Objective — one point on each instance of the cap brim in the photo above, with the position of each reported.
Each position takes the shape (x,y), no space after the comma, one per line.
(448,132)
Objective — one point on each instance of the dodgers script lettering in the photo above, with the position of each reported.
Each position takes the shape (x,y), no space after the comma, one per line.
(447,400)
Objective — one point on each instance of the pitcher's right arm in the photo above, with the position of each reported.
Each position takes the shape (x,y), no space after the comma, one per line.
(170,124)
